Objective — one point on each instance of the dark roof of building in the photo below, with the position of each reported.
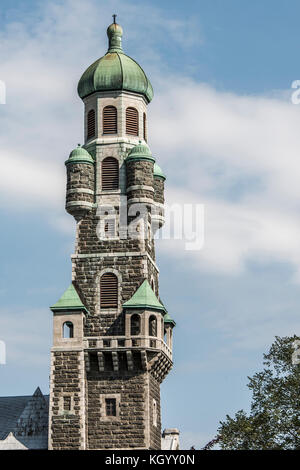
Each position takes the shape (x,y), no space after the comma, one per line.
(10,410)
(26,417)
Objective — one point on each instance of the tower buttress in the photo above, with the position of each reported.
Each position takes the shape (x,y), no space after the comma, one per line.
(112,343)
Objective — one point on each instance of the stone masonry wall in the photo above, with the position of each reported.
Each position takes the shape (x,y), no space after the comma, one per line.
(102,255)
(80,176)
(159,190)
(155,431)
(127,431)
(139,172)
(66,427)
(131,271)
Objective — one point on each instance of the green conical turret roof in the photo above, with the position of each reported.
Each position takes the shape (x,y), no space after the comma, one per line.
(144,297)
(70,300)
(115,71)
(79,155)
(168,319)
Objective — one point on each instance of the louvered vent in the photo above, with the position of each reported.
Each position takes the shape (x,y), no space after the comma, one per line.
(145,126)
(132,121)
(110,120)
(110,174)
(109,291)
(91,124)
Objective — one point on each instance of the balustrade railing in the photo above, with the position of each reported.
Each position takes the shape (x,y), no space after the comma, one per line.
(113,342)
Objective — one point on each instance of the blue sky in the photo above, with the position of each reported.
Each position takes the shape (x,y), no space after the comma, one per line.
(224,129)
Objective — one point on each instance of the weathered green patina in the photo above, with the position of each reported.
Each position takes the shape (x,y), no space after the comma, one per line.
(169,320)
(140,152)
(115,71)
(157,172)
(144,298)
(70,300)
(79,155)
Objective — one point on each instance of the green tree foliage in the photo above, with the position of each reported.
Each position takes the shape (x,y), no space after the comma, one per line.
(274,419)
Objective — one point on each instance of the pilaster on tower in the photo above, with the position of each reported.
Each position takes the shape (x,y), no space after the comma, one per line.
(112,334)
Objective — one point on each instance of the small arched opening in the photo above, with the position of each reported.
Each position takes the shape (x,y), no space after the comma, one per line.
(135,325)
(152,326)
(68,330)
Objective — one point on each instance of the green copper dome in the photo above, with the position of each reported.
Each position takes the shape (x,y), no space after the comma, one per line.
(140,152)
(115,71)
(79,155)
(157,171)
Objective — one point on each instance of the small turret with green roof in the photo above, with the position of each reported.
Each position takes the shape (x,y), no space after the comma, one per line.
(169,320)
(144,298)
(80,155)
(157,172)
(80,182)
(140,152)
(70,300)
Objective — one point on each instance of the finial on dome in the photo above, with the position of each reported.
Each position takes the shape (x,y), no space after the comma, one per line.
(115,33)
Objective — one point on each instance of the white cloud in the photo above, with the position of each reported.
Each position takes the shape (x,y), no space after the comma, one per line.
(238,232)
(237,155)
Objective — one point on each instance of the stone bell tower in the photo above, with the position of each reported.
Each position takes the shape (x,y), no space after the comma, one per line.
(112,341)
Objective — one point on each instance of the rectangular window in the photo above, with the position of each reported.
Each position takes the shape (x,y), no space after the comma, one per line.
(111,408)
(67,403)
(154,410)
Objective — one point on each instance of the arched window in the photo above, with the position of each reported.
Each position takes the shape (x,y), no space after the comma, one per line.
(132,121)
(110,120)
(135,325)
(152,326)
(110,174)
(68,330)
(109,291)
(145,126)
(91,124)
